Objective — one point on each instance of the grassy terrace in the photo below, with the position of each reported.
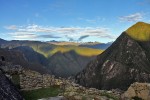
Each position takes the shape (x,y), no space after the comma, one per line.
(140,31)
(41,93)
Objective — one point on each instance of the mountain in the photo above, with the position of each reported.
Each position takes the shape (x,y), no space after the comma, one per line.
(93,45)
(2,40)
(32,56)
(7,90)
(51,57)
(101,46)
(126,61)
(68,63)
(17,58)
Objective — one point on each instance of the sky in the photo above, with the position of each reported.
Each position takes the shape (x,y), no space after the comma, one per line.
(70,20)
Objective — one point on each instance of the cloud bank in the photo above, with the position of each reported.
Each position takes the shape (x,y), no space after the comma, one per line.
(45,32)
(132,17)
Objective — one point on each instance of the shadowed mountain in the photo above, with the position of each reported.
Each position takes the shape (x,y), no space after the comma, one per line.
(17,58)
(126,61)
(68,63)
(32,56)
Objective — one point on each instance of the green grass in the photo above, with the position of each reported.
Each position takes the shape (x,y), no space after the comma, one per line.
(140,31)
(41,93)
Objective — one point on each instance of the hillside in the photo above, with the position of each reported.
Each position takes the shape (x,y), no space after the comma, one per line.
(84,51)
(32,56)
(140,31)
(68,63)
(53,57)
(48,49)
(126,61)
(17,57)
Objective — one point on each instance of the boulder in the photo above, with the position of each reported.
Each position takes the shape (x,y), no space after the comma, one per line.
(138,90)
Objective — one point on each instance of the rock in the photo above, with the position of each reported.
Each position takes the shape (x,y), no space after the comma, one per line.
(140,90)
(7,90)
(78,97)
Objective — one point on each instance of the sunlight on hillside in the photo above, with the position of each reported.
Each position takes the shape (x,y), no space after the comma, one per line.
(79,50)
(140,31)
(47,52)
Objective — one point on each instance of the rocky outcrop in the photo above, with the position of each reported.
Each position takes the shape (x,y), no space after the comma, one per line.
(28,79)
(137,90)
(34,80)
(74,91)
(7,90)
(126,61)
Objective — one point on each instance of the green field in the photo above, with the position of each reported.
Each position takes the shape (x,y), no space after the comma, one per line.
(41,93)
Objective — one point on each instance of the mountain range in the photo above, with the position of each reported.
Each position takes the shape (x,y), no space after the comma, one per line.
(58,58)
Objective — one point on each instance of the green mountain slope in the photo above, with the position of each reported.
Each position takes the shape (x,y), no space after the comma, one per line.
(140,31)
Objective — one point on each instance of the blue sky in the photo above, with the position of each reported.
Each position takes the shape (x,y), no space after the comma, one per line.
(70,20)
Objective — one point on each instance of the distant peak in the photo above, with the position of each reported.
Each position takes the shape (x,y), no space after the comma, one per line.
(139,31)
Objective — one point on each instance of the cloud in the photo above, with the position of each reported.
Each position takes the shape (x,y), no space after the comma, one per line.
(70,33)
(22,35)
(11,27)
(83,37)
(132,17)
(48,36)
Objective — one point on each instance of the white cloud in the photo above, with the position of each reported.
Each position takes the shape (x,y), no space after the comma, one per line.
(71,33)
(11,27)
(132,17)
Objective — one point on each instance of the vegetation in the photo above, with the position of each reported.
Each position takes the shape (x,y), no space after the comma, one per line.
(41,93)
(79,50)
(140,31)
(47,52)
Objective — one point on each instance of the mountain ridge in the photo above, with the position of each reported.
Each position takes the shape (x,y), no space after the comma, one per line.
(126,61)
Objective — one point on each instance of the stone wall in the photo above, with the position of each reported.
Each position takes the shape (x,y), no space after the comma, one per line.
(33,80)
(28,79)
